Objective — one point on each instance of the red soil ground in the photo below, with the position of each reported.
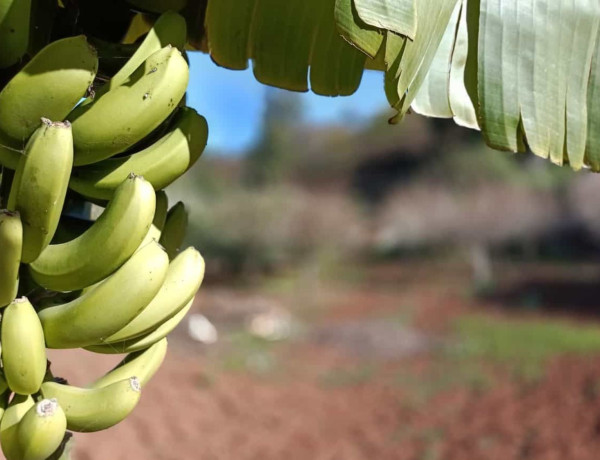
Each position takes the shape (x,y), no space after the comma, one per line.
(326,401)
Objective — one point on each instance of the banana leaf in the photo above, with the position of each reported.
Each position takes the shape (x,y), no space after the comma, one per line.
(524,72)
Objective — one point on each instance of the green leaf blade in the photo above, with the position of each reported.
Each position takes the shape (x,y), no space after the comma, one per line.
(398,16)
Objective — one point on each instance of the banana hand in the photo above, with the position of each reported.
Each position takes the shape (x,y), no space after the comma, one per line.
(160,164)
(183,280)
(94,409)
(49,86)
(108,306)
(109,242)
(123,116)
(144,341)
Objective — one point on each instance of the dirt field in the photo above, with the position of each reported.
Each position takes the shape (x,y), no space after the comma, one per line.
(394,363)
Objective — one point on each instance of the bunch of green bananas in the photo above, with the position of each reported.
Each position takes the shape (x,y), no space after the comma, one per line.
(116,284)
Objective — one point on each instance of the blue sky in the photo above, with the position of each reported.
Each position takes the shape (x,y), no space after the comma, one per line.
(233,103)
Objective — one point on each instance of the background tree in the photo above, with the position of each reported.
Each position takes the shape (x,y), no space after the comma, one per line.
(267,162)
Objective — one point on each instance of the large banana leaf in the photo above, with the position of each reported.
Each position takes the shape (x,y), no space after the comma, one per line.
(284,39)
(525,72)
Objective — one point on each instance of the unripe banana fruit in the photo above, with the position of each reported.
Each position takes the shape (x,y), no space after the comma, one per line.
(174,230)
(183,280)
(109,242)
(15,16)
(9,425)
(144,341)
(49,86)
(40,185)
(160,216)
(11,243)
(169,29)
(98,276)
(123,116)
(160,164)
(23,349)
(94,409)
(41,430)
(108,306)
(142,364)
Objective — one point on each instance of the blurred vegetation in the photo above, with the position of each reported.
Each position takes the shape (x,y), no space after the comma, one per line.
(347,192)
(269,160)
(525,347)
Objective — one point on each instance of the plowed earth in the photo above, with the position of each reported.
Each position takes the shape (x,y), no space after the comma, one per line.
(361,377)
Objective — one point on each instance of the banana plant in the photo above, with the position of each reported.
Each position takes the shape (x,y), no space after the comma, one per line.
(105,283)
(526,73)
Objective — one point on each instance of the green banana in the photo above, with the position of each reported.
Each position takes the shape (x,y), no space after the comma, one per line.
(109,242)
(183,280)
(49,86)
(169,29)
(174,230)
(108,306)
(23,349)
(120,60)
(160,164)
(95,409)
(158,6)
(144,341)
(143,364)
(121,117)
(160,215)
(9,425)
(41,430)
(15,16)
(11,242)
(40,186)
